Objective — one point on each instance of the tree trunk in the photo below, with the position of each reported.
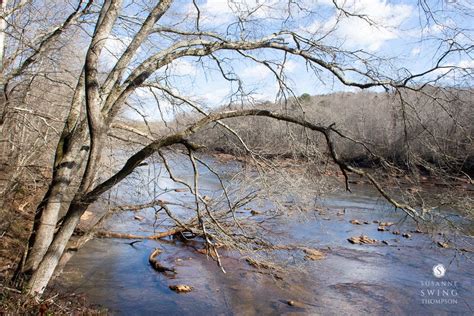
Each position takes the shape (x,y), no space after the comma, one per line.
(56,198)
(48,264)
(69,157)
(47,217)
(41,260)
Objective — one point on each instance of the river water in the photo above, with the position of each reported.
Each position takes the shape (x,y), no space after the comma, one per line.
(395,277)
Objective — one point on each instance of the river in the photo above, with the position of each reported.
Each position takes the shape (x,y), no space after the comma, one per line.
(395,277)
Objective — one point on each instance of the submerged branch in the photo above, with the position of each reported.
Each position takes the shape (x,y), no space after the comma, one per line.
(171,232)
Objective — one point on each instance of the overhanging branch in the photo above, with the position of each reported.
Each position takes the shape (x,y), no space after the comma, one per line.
(180,137)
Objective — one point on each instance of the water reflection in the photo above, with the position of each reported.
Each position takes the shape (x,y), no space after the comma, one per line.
(352,279)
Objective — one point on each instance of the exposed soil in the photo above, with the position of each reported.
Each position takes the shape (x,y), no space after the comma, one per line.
(17,216)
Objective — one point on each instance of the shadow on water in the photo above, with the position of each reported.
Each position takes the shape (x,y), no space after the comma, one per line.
(393,277)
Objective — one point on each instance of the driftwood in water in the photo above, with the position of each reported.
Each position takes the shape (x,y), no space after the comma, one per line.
(106,234)
(156,264)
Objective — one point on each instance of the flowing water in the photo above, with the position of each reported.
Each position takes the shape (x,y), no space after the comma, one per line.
(394,277)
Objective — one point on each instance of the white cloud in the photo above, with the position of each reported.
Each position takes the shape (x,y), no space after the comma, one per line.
(181,67)
(256,72)
(215,97)
(378,23)
(290,66)
(314,27)
(217,7)
(466,64)
(455,71)
(149,107)
(215,12)
(113,49)
(432,29)
(144,93)
(415,51)
(212,12)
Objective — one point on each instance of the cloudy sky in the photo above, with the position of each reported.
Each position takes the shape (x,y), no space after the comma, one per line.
(399,31)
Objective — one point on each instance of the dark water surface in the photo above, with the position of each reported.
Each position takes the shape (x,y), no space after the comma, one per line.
(392,278)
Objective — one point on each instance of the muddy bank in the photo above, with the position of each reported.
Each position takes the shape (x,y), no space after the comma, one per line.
(390,178)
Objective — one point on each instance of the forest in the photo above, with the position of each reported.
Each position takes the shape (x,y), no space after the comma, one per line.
(211,121)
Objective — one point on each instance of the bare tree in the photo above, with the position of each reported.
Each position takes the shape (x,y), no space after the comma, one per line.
(35,83)
(166,33)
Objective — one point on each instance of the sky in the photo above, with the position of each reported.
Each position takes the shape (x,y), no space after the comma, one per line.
(399,31)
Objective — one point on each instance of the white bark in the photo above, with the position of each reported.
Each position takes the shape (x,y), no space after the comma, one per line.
(54,200)
(69,158)
(95,120)
(45,270)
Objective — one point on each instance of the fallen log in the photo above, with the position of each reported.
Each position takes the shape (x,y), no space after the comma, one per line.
(156,264)
(107,234)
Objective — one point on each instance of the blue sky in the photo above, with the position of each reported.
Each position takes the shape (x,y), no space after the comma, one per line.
(399,31)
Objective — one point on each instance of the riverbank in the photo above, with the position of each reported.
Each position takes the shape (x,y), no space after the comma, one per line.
(17,216)
(390,178)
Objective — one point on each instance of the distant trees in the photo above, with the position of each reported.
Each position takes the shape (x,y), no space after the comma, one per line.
(434,141)
(154,36)
(305,97)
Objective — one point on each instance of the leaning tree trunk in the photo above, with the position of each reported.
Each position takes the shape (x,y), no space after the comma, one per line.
(47,216)
(55,199)
(69,157)
(50,260)
(46,252)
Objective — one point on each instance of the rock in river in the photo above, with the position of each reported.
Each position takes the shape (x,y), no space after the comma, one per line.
(313,254)
(362,240)
(181,288)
